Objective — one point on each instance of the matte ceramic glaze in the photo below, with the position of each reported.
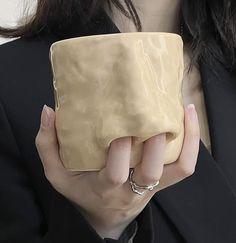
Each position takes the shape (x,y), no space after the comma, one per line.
(117,85)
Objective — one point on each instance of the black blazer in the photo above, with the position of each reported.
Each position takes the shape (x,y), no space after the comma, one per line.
(200,209)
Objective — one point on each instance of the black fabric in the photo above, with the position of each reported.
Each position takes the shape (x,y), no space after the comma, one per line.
(200,209)
(220,98)
(128,234)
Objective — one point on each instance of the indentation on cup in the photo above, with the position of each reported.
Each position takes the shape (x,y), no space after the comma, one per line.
(107,87)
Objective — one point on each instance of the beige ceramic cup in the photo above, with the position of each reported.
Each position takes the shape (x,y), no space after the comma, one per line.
(117,85)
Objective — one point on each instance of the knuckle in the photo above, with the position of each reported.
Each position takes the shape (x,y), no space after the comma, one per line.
(38,140)
(116,180)
(186,170)
(51,177)
(42,141)
(148,178)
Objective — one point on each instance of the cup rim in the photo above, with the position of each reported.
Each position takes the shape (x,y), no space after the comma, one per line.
(178,36)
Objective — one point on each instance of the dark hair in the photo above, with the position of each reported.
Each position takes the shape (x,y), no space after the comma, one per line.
(209,26)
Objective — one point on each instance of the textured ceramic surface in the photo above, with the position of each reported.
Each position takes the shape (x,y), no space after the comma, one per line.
(117,85)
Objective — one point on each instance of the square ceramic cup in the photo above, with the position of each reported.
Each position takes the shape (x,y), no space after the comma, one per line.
(117,85)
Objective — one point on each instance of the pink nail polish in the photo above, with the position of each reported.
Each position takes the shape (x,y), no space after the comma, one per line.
(45,117)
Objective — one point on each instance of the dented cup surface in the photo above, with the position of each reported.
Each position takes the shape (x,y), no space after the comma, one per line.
(117,85)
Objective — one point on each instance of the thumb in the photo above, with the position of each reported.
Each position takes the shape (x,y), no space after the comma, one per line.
(47,143)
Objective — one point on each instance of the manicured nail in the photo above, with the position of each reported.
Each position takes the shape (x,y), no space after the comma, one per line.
(45,118)
(192,112)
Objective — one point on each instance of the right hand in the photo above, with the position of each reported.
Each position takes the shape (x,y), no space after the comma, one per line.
(105,197)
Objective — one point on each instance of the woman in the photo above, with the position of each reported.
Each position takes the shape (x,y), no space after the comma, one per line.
(42,202)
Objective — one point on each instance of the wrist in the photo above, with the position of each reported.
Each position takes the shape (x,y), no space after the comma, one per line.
(112,232)
(104,228)
(107,228)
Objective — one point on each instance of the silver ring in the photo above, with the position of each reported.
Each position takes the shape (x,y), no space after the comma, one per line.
(136,188)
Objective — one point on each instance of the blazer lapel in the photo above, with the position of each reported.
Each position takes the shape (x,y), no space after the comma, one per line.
(220,94)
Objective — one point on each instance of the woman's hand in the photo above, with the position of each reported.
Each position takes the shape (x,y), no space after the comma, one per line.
(105,197)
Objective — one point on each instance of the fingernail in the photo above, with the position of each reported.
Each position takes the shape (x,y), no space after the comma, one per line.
(45,117)
(192,112)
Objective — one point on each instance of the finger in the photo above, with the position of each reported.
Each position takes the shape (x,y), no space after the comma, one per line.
(116,171)
(46,143)
(150,169)
(186,163)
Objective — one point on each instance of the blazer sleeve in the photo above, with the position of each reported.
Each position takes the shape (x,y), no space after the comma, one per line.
(21,218)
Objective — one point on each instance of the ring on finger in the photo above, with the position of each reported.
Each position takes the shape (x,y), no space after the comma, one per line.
(136,188)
